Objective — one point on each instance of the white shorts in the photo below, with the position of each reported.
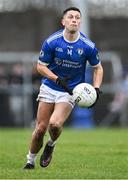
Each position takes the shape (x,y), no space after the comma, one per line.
(49,95)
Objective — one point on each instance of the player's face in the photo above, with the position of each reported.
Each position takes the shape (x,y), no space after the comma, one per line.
(71,21)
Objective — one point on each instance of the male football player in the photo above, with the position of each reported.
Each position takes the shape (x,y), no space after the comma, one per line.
(62,64)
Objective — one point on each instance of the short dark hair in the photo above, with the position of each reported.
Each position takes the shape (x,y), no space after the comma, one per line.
(71,9)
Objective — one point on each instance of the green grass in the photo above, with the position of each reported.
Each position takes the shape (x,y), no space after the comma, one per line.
(79,154)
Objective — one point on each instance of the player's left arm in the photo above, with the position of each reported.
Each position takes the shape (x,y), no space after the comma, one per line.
(95,62)
(97,80)
(97,75)
(97,72)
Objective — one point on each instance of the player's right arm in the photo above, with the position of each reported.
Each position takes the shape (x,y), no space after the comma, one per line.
(46,72)
(45,58)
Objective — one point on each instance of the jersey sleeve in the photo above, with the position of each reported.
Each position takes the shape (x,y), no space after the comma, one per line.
(46,54)
(93,59)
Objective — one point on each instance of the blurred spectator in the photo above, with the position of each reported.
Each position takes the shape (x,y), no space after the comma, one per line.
(16,99)
(5,117)
(11,93)
(118,107)
(36,79)
(3,76)
(16,74)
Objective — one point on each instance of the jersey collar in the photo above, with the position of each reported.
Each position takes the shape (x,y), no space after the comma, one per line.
(71,41)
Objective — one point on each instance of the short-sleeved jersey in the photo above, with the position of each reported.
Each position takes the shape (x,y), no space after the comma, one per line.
(67,59)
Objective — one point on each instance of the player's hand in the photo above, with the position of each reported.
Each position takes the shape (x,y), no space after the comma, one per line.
(98,92)
(63,83)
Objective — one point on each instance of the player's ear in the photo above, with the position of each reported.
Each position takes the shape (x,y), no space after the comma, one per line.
(62,22)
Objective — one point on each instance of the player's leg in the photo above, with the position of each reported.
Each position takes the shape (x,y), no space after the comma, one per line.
(59,116)
(43,115)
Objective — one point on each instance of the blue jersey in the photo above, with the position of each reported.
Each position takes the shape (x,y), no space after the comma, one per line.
(67,59)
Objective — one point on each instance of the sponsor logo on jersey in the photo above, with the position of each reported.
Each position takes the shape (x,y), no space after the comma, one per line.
(58,49)
(58,61)
(66,63)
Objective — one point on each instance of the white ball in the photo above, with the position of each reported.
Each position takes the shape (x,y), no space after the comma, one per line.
(84,95)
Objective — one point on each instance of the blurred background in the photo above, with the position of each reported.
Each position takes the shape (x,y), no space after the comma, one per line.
(25,24)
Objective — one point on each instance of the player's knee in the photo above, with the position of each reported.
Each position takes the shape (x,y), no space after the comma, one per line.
(54,126)
(40,131)
(54,130)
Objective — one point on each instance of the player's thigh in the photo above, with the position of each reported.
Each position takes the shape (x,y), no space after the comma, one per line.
(44,112)
(61,113)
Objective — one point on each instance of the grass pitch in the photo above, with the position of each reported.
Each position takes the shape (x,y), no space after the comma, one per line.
(79,154)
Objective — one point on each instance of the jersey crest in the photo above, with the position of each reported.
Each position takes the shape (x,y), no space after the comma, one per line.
(80,51)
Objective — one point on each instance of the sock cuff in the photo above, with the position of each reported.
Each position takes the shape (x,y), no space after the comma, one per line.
(31,154)
(31,158)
